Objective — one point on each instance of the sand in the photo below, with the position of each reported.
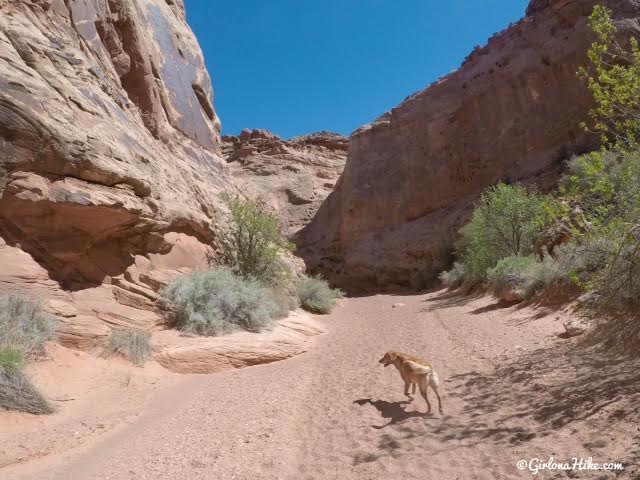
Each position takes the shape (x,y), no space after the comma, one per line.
(512,389)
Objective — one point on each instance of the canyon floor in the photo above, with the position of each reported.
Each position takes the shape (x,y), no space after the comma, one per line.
(512,389)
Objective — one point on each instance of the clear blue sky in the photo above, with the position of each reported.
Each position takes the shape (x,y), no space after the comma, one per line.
(298,66)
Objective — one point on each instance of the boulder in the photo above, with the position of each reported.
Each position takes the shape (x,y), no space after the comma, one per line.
(575,326)
(184,354)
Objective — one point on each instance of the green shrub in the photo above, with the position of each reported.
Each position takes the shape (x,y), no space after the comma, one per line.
(605,258)
(283,301)
(617,278)
(526,276)
(218,301)
(134,345)
(613,78)
(514,273)
(505,223)
(453,278)
(10,358)
(18,393)
(24,327)
(589,182)
(316,295)
(250,243)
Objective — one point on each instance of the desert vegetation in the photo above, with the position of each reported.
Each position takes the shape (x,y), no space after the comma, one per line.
(585,235)
(132,344)
(24,328)
(218,301)
(253,286)
(250,242)
(316,295)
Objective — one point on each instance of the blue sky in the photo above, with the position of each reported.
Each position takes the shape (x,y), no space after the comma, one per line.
(298,66)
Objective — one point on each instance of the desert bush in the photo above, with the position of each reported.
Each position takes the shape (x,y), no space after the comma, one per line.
(218,301)
(10,358)
(18,393)
(613,78)
(604,184)
(505,223)
(616,280)
(605,259)
(24,327)
(454,277)
(134,345)
(283,302)
(250,242)
(316,295)
(514,273)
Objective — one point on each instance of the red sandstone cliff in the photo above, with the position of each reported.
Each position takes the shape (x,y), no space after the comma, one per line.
(110,158)
(510,112)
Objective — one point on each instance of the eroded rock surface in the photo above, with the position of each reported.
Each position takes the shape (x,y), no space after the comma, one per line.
(511,112)
(108,136)
(293,176)
(110,159)
(289,337)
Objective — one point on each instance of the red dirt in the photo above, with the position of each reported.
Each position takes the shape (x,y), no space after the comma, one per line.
(511,390)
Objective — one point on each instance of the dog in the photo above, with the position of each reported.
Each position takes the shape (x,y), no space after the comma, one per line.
(414,371)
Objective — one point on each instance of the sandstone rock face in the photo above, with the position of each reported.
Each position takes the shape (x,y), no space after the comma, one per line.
(511,112)
(108,136)
(293,176)
(110,159)
(289,337)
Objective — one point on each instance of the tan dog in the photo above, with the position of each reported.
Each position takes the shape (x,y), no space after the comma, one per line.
(414,370)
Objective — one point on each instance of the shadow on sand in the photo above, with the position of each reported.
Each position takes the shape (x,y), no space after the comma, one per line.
(394,411)
(526,399)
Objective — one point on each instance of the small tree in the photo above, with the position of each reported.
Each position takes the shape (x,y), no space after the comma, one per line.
(613,78)
(504,223)
(251,243)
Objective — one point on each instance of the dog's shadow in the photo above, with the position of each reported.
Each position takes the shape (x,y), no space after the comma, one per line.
(394,411)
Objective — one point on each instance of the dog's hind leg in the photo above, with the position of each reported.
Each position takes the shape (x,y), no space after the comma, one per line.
(434,383)
(423,392)
(413,388)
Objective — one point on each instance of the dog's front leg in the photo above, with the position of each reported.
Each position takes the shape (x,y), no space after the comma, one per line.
(406,388)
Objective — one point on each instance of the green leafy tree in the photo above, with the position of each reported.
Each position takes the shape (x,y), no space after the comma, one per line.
(505,223)
(251,243)
(613,78)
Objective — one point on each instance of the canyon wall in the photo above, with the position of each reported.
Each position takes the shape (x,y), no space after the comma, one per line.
(110,157)
(292,176)
(511,112)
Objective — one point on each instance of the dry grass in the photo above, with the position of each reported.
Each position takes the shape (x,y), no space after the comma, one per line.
(134,345)
(24,327)
(18,393)
(317,296)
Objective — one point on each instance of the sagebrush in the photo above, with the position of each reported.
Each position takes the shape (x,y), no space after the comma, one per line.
(316,295)
(217,301)
(132,344)
(24,326)
(454,277)
(18,393)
